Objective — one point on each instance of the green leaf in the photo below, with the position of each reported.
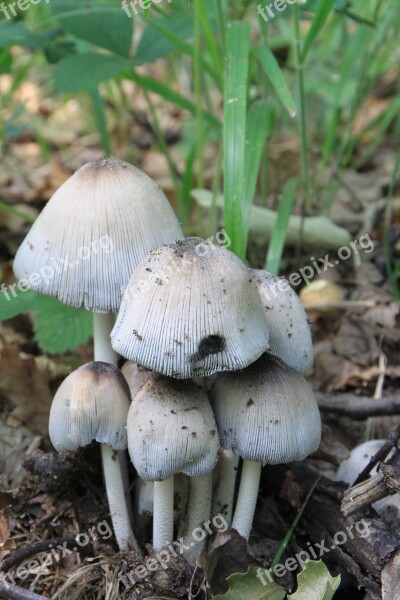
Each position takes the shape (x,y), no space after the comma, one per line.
(58,327)
(105,26)
(153,46)
(256,584)
(101,120)
(5,61)
(275,75)
(324,7)
(13,302)
(18,213)
(315,582)
(83,72)
(277,243)
(12,33)
(234,136)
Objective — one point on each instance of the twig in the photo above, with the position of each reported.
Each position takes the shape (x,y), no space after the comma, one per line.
(380,456)
(359,408)
(22,554)
(17,593)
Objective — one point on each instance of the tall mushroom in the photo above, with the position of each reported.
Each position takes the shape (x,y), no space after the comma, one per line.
(89,238)
(171,429)
(191,309)
(92,404)
(266,414)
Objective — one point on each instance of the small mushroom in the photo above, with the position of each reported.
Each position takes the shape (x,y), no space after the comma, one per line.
(190,309)
(92,404)
(289,331)
(171,429)
(266,414)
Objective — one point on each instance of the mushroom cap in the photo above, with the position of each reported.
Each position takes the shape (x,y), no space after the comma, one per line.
(191,308)
(92,403)
(267,413)
(171,429)
(289,333)
(93,232)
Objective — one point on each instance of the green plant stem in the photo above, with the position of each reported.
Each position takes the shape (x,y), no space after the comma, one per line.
(198,94)
(305,163)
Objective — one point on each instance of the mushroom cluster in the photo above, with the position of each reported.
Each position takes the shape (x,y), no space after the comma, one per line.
(187,310)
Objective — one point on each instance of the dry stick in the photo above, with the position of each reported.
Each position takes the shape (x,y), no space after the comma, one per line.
(17,593)
(380,456)
(370,425)
(358,408)
(14,559)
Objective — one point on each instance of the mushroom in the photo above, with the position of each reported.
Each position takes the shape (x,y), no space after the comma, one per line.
(289,331)
(92,404)
(350,468)
(266,414)
(89,238)
(135,376)
(191,309)
(171,429)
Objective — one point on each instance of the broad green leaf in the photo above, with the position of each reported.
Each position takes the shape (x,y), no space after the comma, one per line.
(234,135)
(277,243)
(83,72)
(256,584)
(5,61)
(324,7)
(275,75)
(105,26)
(152,45)
(58,327)
(14,302)
(315,582)
(11,33)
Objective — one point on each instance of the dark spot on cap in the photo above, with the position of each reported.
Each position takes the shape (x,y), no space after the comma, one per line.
(194,434)
(250,402)
(137,335)
(211,344)
(184,427)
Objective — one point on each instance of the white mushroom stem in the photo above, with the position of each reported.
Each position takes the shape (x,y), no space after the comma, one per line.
(225,488)
(198,515)
(116,500)
(247,498)
(102,327)
(163,513)
(117,492)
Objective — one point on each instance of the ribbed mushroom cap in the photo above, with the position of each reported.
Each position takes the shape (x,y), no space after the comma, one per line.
(92,403)
(289,332)
(191,309)
(171,429)
(92,234)
(267,413)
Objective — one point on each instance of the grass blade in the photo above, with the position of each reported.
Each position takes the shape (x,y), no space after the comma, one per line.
(101,121)
(275,75)
(277,243)
(234,137)
(258,127)
(324,7)
(166,92)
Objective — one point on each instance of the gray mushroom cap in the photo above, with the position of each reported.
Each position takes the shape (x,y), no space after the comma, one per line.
(191,308)
(267,413)
(92,234)
(171,429)
(136,376)
(289,332)
(92,403)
